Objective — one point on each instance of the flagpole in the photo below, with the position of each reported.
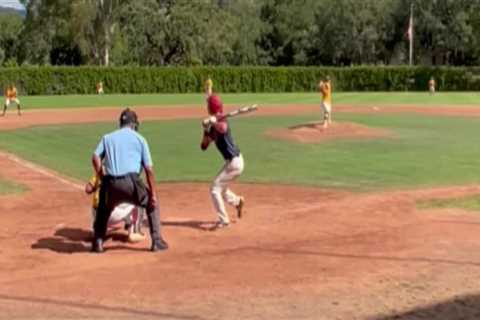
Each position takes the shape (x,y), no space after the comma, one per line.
(411,35)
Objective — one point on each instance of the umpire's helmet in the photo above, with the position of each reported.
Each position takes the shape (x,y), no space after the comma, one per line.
(129,117)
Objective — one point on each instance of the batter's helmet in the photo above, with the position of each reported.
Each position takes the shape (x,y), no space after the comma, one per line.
(215,104)
(129,117)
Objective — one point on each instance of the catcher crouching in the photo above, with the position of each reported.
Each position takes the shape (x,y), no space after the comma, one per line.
(216,129)
(128,214)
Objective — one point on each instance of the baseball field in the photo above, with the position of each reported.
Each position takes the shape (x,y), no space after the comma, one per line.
(375,218)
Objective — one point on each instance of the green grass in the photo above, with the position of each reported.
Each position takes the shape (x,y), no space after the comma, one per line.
(425,151)
(355,98)
(471,203)
(7,187)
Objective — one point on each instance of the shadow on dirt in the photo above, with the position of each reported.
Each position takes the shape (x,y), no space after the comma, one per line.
(113,311)
(458,308)
(76,240)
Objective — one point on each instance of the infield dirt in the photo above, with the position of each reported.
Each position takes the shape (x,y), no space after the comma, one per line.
(299,252)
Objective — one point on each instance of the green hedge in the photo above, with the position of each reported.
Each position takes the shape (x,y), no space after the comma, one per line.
(82,80)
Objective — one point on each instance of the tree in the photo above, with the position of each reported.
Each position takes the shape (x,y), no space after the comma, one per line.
(10,28)
(246,33)
(95,23)
(177,32)
(105,23)
(46,30)
(287,39)
(351,32)
(444,29)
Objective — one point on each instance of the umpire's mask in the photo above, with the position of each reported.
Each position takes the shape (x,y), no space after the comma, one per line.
(129,117)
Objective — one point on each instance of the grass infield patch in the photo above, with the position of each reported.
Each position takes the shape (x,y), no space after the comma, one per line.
(350,98)
(8,187)
(471,203)
(425,151)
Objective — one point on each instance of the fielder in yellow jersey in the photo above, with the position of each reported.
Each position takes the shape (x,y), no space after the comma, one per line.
(11,96)
(208,87)
(325,87)
(431,86)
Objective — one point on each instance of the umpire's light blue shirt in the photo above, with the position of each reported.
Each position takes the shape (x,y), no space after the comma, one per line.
(124,151)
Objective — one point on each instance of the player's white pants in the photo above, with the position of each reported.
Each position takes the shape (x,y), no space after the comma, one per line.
(8,101)
(327,110)
(219,189)
(122,212)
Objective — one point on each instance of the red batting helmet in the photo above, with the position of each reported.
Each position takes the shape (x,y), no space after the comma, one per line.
(215,104)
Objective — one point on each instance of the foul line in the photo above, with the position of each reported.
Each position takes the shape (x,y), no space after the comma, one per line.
(41,170)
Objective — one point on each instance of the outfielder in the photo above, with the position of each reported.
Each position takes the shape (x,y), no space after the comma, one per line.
(11,96)
(216,129)
(325,88)
(431,86)
(99,88)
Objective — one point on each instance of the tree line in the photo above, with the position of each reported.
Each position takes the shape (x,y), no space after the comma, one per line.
(240,32)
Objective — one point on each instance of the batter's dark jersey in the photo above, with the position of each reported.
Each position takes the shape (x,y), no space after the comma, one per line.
(224,143)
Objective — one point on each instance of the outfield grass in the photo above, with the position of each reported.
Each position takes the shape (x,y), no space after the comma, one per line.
(425,151)
(355,98)
(471,203)
(7,187)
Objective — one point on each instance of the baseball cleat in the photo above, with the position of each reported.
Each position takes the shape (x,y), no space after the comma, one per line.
(219,225)
(239,207)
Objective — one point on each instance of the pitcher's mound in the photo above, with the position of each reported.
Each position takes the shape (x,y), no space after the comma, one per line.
(313,132)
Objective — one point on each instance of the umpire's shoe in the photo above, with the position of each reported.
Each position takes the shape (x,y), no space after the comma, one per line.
(158,245)
(97,245)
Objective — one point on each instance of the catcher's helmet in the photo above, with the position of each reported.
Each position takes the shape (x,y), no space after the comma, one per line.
(129,117)
(215,104)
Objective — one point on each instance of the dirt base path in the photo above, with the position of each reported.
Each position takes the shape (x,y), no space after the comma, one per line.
(299,253)
(89,115)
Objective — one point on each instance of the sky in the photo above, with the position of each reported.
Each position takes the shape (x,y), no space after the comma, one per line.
(11,4)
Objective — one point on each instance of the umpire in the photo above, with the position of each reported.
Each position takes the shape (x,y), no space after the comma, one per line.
(123,154)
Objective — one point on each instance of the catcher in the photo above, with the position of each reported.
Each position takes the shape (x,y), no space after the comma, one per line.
(325,87)
(216,129)
(125,212)
(11,96)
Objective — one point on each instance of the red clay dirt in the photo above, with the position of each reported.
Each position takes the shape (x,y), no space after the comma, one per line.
(313,132)
(299,253)
(88,115)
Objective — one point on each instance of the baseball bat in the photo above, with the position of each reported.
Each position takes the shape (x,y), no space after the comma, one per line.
(231,114)
(239,111)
